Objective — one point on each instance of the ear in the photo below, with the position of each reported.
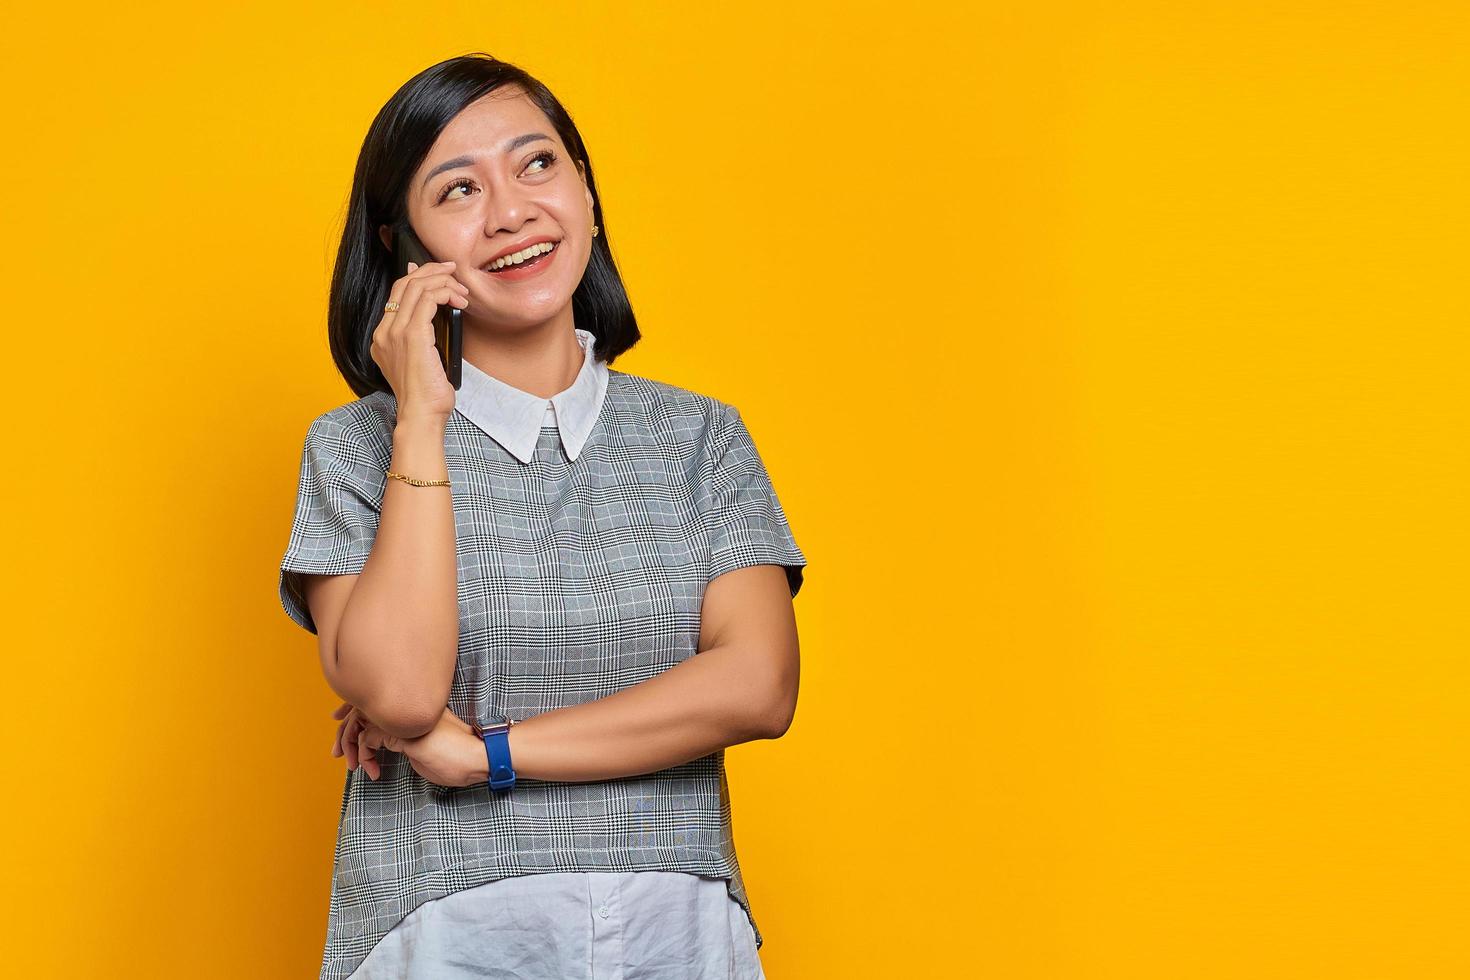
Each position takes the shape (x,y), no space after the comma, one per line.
(582,172)
(386,236)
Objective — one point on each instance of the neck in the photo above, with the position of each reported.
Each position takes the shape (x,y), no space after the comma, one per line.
(542,360)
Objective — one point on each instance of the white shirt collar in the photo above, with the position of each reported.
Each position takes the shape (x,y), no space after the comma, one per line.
(513,417)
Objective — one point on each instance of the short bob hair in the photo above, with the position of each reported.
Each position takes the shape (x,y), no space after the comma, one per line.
(397,141)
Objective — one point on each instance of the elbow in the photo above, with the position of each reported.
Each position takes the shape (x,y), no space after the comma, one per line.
(401,718)
(780,712)
(405,709)
(400,708)
(409,725)
(783,682)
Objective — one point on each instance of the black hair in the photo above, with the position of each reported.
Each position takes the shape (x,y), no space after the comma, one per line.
(399,138)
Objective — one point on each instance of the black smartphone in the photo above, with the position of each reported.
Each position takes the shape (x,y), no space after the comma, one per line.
(448,328)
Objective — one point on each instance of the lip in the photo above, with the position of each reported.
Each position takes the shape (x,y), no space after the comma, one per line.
(516,273)
(517,247)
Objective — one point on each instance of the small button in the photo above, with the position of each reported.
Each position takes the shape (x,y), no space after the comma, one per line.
(602,911)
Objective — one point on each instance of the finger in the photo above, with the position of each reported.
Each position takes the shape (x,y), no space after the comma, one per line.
(395,295)
(440,274)
(433,276)
(422,299)
(453,283)
(405,294)
(337,741)
(375,742)
(432,272)
(399,289)
(342,710)
(367,754)
(428,303)
(349,742)
(362,727)
(424,304)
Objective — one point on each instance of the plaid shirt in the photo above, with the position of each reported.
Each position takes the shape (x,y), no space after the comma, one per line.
(581,567)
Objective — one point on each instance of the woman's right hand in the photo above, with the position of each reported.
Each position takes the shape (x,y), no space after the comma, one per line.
(403,343)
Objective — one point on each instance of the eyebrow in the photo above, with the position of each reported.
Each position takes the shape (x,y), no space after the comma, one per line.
(511,145)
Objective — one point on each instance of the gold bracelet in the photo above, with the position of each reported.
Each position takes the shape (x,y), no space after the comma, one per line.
(418,483)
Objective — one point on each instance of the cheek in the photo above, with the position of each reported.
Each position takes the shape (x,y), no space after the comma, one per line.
(584,254)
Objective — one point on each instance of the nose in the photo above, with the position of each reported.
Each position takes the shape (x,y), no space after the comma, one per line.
(507,207)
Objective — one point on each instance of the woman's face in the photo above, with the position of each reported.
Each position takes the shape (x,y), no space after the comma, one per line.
(497,178)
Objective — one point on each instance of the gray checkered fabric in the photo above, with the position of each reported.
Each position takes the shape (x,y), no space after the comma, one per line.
(576,579)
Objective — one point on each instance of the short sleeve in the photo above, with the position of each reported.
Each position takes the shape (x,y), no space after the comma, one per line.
(338,499)
(747,525)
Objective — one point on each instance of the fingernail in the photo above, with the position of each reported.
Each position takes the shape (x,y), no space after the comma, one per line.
(412,266)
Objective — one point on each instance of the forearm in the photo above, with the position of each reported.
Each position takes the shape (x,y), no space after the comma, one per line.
(708,702)
(397,642)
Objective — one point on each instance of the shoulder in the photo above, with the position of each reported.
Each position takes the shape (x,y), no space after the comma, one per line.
(362,427)
(660,406)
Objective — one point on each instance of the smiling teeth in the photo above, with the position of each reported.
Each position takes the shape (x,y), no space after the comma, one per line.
(516,258)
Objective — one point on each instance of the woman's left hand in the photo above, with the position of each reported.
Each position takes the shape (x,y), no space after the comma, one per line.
(441,755)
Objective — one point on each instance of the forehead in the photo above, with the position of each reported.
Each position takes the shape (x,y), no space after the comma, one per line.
(484,125)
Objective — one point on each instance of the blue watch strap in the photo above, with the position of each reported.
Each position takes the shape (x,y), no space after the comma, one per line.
(497,752)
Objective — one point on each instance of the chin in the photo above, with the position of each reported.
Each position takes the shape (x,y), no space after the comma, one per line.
(524,315)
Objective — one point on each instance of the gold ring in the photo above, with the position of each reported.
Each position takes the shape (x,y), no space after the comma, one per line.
(391,308)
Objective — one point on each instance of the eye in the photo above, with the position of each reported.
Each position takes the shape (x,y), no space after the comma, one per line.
(462,182)
(546,155)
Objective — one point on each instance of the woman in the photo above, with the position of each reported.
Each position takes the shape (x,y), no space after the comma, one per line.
(550,544)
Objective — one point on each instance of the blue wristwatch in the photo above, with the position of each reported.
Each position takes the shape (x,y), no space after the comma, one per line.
(496,735)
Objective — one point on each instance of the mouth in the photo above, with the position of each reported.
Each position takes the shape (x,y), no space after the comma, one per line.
(527,267)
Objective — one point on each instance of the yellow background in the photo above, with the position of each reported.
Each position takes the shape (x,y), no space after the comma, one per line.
(1109,362)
